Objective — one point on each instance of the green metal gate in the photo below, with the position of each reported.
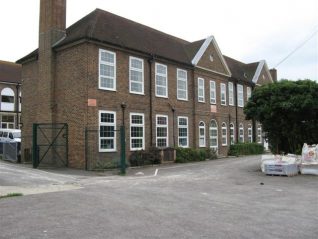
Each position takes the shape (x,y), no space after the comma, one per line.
(50,145)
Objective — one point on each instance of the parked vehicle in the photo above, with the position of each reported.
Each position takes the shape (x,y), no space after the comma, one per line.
(10,135)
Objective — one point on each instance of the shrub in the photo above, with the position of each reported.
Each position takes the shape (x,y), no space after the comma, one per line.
(185,155)
(246,149)
(145,157)
(211,153)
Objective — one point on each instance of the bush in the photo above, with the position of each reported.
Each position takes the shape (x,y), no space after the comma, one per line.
(211,153)
(185,155)
(246,149)
(145,157)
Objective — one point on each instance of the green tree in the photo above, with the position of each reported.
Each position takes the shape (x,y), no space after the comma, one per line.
(288,112)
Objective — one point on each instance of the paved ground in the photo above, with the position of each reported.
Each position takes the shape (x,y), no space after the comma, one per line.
(216,199)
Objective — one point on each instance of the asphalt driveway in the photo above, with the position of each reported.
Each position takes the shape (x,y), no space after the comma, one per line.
(228,198)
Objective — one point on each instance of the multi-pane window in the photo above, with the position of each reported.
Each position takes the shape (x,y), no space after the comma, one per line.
(232,137)
(136,75)
(241,133)
(137,131)
(7,99)
(107,70)
(212,92)
(231,94)
(161,80)
(248,93)
(223,94)
(7,122)
(249,133)
(162,131)
(107,131)
(183,132)
(213,134)
(201,134)
(259,134)
(224,134)
(182,85)
(201,97)
(240,99)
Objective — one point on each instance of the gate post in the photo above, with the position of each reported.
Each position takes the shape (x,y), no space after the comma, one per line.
(123,151)
(35,155)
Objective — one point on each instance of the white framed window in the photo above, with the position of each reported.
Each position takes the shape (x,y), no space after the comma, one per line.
(182,85)
(201,96)
(136,75)
(107,131)
(161,131)
(201,134)
(248,93)
(7,121)
(107,70)
(259,134)
(250,133)
(231,93)
(183,139)
(232,135)
(224,134)
(137,131)
(7,99)
(161,80)
(223,94)
(212,92)
(241,133)
(240,98)
(213,135)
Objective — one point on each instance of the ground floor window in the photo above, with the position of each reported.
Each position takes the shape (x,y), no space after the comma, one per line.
(241,133)
(7,122)
(232,137)
(259,134)
(249,133)
(107,131)
(213,134)
(137,131)
(224,134)
(201,134)
(183,134)
(162,131)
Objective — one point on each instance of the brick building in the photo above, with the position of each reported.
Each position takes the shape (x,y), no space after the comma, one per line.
(10,89)
(177,93)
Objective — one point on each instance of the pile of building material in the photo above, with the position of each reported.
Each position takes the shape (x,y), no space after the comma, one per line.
(309,159)
(286,165)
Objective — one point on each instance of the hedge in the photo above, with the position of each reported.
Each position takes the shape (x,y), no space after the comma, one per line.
(184,155)
(246,149)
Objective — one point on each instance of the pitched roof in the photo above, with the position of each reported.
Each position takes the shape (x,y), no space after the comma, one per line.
(10,72)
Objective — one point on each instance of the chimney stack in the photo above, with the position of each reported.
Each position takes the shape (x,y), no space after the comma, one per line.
(273,73)
(52,29)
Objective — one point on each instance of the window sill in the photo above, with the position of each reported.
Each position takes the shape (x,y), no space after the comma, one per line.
(108,89)
(136,93)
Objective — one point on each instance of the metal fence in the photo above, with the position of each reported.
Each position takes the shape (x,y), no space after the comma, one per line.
(10,151)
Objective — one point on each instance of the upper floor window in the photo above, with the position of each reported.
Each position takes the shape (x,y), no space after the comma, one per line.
(241,133)
(224,134)
(107,131)
(161,80)
(182,85)
(231,94)
(248,93)
(7,99)
(136,75)
(259,134)
(201,96)
(162,131)
(107,70)
(250,133)
(212,92)
(183,140)
(201,134)
(232,137)
(223,94)
(137,131)
(240,100)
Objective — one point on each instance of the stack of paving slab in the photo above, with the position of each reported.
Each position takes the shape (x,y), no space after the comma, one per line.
(309,160)
(280,165)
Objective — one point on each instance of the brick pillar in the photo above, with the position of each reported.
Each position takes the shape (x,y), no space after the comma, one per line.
(273,73)
(52,29)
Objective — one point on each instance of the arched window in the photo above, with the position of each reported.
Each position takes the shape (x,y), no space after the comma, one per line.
(241,133)
(249,133)
(232,137)
(259,134)
(7,99)
(213,135)
(201,134)
(224,134)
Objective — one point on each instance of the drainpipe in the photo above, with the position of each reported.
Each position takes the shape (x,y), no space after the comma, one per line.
(17,106)
(150,60)
(236,121)
(194,110)
(254,123)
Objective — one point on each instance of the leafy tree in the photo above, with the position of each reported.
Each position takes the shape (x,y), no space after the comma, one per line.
(288,112)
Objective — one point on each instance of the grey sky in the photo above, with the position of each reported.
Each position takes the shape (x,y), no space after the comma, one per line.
(247,30)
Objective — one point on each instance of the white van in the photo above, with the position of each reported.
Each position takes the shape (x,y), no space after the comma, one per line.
(10,135)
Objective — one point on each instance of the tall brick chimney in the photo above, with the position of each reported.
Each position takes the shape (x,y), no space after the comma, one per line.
(273,73)
(52,29)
